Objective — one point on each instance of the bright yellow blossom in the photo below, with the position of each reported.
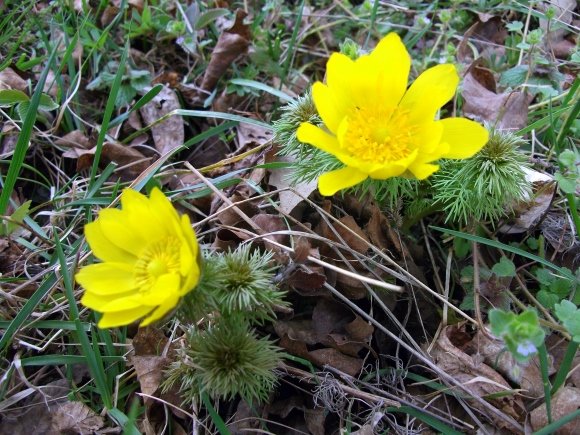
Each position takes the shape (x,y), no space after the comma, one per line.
(380,129)
(149,260)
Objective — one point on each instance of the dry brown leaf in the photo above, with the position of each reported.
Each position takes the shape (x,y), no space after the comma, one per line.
(75,417)
(477,377)
(250,135)
(149,371)
(10,80)
(74,139)
(231,44)
(511,109)
(529,213)
(334,358)
(169,134)
(564,402)
(280,179)
(526,375)
(487,35)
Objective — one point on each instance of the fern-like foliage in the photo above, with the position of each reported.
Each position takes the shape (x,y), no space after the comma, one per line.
(481,188)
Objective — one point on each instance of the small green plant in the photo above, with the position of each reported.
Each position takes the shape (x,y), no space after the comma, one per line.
(225,360)
(481,188)
(521,333)
(21,103)
(568,177)
(553,288)
(132,82)
(569,315)
(222,355)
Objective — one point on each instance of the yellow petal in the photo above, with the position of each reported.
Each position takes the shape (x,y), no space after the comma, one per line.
(394,65)
(162,310)
(98,302)
(380,78)
(121,318)
(133,200)
(338,75)
(331,182)
(317,137)
(165,287)
(393,169)
(329,105)
(123,304)
(465,137)
(423,170)
(103,248)
(121,232)
(430,92)
(162,206)
(106,278)
(428,138)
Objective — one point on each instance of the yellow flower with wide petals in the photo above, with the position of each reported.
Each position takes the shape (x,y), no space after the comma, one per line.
(149,260)
(380,129)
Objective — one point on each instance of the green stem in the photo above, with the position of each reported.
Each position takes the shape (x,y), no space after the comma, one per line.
(544,367)
(565,366)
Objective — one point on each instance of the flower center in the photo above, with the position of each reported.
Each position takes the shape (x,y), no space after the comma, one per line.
(379,135)
(157,259)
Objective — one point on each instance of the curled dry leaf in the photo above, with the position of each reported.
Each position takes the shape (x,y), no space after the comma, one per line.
(74,139)
(529,213)
(293,195)
(507,110)
(169,134)
(10,80)
(231,44)
(526,375)
(564,402)
(479,379)
(332,325)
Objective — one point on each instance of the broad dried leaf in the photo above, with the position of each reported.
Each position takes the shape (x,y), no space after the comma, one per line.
(332,357)
(74,139)
(149,371)
(10,80)
(564,402)
(75,417)
(477,377)
(169,134)
(526,375)
(231,44)
(280,179)
(529,213)
(510,108)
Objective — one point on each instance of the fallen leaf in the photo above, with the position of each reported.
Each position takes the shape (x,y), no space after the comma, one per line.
(334,358)
(231,44)
(529,213)
(293,194)
(9,79)
(564,402)
(479,379)
(168,134)
(526,375)
(507,110)
(74,139)
(75,417)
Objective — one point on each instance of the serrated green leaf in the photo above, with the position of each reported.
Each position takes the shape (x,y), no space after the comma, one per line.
(566,182)
(569,314)
(514,76)
(568,159)
(505,267)
(22,109)
(10,97)
(16,218)
(515,26)
(209,16)
(47,103)
(547,299)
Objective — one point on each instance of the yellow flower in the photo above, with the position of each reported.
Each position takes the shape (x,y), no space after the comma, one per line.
(380,129)
(149,260)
